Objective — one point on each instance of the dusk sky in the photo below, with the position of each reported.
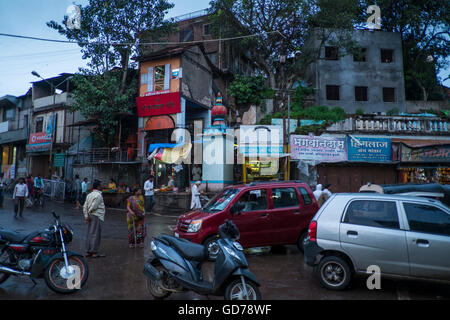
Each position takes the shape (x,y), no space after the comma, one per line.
(18,57)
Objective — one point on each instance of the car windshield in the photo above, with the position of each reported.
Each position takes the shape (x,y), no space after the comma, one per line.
(220,202)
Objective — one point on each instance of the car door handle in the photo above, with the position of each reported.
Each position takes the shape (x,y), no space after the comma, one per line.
(264,215)
(352,234)
(423,243)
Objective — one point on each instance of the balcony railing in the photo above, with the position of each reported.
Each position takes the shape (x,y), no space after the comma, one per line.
(398,124)
(63,98)
(105,155)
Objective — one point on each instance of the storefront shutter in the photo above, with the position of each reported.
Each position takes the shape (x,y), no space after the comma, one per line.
(167,77)
(150,79)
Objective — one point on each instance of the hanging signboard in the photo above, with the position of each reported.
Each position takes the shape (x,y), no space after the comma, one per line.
(369,149)
(320,149)
(38,142)
(58,160)
(438,153)
(156,105)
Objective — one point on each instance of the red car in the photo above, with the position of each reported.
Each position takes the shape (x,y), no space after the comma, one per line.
(267,214)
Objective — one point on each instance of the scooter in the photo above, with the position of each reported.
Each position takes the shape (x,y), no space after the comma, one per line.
(176,266)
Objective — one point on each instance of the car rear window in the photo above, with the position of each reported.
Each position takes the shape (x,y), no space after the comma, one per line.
(284,198)
(371,213)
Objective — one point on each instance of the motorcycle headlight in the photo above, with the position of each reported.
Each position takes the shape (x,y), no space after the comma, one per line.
(238,246)
(153,246)
(195,226)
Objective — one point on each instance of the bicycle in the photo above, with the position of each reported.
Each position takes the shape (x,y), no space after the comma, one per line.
(38,197)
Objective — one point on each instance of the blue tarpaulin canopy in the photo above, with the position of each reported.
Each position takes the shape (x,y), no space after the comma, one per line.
(155,146)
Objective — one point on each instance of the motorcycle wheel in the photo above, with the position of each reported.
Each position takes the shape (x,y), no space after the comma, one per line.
(235,290)
(154,287)
(60,281)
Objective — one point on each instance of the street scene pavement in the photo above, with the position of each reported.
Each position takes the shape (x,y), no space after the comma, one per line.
(281,272)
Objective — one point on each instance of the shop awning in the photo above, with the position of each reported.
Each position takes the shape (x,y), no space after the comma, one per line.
(420,143)
(159,123)
(170,154)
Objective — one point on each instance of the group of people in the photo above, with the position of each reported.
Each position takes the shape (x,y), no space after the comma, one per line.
(139,205)
(322,194)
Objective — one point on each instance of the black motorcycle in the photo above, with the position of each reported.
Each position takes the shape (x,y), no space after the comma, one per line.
(176,266)
(43,254)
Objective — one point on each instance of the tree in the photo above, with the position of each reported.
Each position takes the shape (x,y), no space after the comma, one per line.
(424,27)
(109,37)
(283,28)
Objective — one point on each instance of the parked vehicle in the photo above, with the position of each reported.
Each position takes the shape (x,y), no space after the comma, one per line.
(177,266)
(428,190)
(406,237)
(43,254)
(266,214)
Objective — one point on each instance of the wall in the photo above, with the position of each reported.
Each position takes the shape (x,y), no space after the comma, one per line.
(373,74)
(420,106)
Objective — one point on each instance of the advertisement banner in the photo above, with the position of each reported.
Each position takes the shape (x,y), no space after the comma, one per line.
(320,149)
(39,142)
(157,105)
(369,149)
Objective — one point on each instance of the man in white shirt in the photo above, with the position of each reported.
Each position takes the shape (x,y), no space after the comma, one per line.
(195,201)
(94,215)
(19,195)
(149,193)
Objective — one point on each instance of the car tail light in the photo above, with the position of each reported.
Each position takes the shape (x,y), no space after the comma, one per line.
(312,231)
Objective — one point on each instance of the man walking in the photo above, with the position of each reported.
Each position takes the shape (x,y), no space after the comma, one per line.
(19,196)
(149,193)
(94,216)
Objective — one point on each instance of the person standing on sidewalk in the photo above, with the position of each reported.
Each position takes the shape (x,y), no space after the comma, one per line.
(84,188)
(149,193)
(137,230)
(2,188)
(77,190)
(94,216)
(195,201)
(19,195)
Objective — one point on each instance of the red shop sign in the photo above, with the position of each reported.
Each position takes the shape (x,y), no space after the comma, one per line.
(39,138)
(161,104)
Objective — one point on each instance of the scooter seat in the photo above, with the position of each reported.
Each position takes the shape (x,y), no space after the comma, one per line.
(187,249)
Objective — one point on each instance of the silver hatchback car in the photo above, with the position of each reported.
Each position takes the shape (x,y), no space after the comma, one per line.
(404,236)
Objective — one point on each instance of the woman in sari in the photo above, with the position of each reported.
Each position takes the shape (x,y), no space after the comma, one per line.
(136,219)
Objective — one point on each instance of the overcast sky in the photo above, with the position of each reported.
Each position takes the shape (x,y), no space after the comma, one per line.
(18,57)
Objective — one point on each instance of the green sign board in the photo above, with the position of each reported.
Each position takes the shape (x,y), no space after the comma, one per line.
(58,160)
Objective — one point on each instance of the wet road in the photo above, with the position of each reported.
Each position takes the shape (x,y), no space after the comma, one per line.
(282,272)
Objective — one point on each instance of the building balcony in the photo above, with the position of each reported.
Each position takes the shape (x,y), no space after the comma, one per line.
(394,124)
(11,136)
(50,101)
(105,156)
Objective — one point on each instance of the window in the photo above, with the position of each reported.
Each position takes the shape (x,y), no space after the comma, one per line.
(39,124)
(389,94)
(207,29)
(284,198)
(331,53)
(187,35)
(361,94)
(305,195)
(387,55)
(360,55)
(9,114)
(160,72)
(427,219)
(254,200)
(380,214)
(220,201)
(332,92)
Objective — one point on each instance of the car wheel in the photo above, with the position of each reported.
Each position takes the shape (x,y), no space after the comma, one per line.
(334,273)
(213,247)
(301,241)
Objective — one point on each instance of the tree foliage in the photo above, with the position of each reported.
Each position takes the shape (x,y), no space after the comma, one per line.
(109,37)
(249,90)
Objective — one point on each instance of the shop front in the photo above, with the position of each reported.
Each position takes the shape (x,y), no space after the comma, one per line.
(424,164)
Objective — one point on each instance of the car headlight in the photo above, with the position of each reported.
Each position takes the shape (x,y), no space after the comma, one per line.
(195,226)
